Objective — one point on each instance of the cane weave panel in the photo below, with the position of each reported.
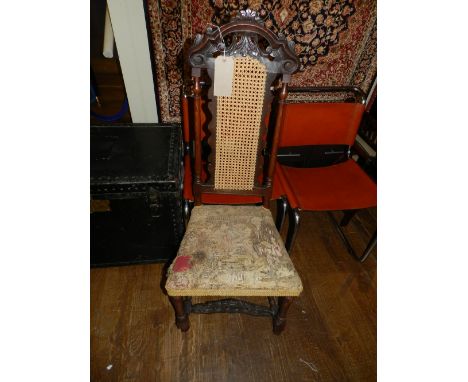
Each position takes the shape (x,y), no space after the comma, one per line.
(238,123)
(232,251)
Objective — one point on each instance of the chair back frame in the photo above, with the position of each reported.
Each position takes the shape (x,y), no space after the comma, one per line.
(279,59)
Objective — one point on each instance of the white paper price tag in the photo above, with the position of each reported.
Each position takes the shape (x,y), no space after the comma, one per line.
(224,69)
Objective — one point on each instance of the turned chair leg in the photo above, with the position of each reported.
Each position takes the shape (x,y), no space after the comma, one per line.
(294,218)
(181,316)
(279,320)
(281,207)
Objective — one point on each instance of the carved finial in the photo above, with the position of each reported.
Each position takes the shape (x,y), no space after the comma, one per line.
(249,14)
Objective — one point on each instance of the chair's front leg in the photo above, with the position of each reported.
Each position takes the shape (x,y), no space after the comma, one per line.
(182,320)
(281,207)
(279,321)
(294,218)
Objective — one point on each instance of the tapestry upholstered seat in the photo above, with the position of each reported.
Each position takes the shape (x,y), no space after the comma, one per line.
(232,251)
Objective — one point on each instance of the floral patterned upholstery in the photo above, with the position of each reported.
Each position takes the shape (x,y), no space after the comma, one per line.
(232,251)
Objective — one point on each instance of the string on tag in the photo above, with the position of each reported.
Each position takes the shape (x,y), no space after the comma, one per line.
(221,36)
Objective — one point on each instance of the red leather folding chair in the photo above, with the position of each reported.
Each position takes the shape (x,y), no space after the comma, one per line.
(341,186)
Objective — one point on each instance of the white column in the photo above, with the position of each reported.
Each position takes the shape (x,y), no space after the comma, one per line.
(131,39)
(108,43)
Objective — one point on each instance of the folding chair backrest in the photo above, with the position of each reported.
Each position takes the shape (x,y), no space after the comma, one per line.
(322,123)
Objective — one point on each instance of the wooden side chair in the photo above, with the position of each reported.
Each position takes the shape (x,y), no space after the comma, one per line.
(339,186)
(236,250)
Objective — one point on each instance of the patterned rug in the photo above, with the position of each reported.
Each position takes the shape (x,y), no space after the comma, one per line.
(336,40)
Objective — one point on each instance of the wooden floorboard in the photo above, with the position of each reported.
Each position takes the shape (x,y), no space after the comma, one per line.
(330,336)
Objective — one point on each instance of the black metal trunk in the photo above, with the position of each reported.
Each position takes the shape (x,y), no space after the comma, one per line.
(136,192)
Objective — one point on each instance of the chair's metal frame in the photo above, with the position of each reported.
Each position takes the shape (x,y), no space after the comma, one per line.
(358,96)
